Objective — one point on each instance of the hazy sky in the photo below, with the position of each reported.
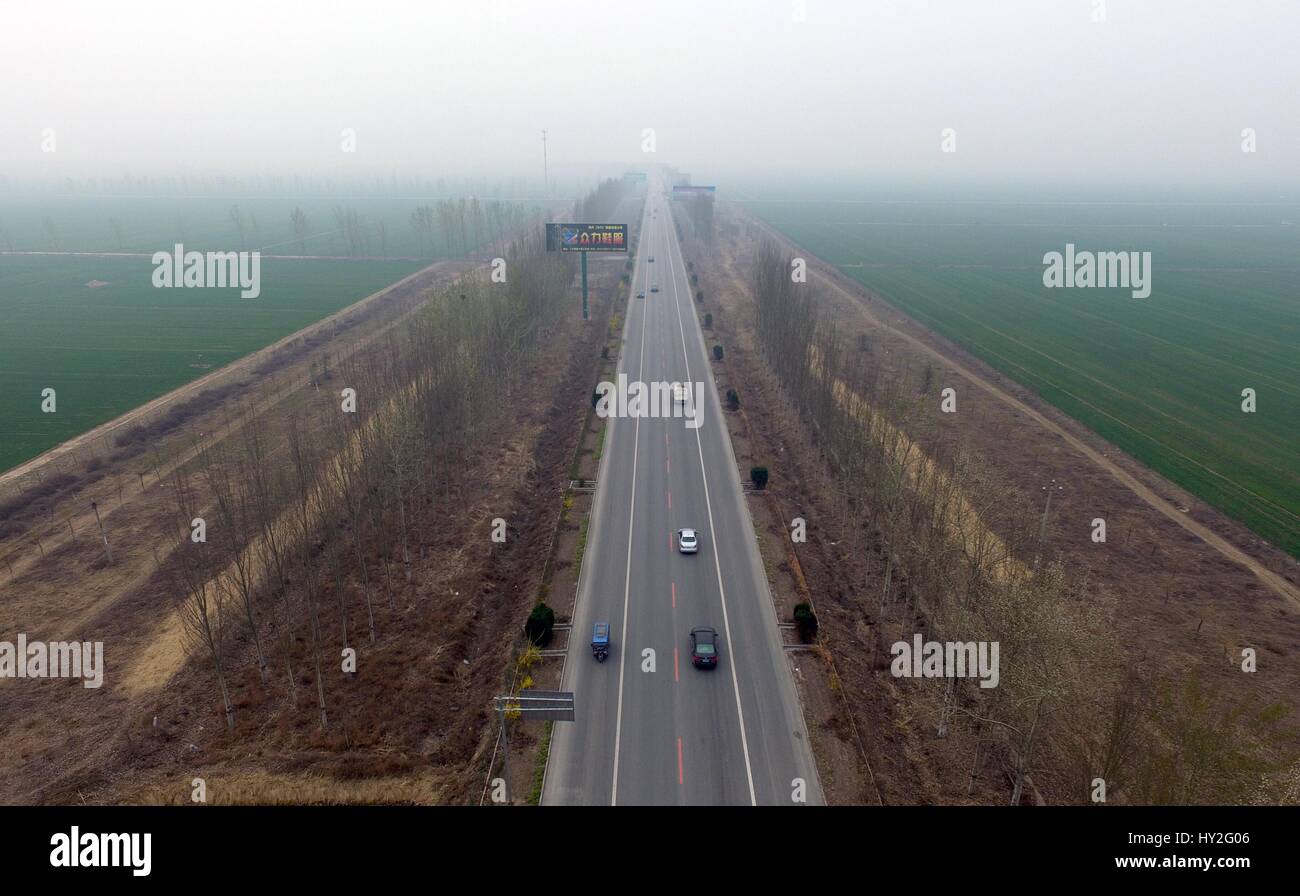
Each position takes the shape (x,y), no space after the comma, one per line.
(1033,88)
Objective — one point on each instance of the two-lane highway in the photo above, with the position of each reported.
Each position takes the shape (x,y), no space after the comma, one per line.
(651,728)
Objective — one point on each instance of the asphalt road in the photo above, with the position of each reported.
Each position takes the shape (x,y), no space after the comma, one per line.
(676,735)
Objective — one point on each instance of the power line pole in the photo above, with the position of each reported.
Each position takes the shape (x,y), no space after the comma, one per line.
(1042,526)
(94,505)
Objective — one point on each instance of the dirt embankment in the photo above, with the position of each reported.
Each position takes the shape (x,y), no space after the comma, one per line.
(1192,588)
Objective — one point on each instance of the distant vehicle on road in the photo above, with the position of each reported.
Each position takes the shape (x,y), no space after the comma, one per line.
(654,288)
(641,294)
(687,541)
(680,393)
(704,648)
(652,258)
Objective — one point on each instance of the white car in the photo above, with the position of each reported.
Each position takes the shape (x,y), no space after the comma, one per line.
(680,393)
(687,541)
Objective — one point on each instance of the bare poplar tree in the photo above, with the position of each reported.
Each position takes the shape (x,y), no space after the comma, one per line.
(307,525)
(237,217)
(298,218)
(234,530)
(202,611)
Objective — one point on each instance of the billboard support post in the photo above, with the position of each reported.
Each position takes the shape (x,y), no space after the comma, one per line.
(584,286)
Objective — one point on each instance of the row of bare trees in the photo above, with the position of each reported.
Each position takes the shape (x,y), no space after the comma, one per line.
(465,224)
(299,532)
(599,205)
(699,217)
(958,561)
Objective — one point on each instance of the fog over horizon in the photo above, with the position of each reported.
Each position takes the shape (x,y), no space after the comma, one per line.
(1158,93)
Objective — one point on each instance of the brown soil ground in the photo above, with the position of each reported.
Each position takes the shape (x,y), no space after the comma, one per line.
(1191,588)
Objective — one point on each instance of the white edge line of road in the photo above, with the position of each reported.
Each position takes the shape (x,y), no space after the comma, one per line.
(631,520)
(708,504)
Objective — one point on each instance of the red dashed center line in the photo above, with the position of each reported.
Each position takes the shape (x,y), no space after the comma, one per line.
(674,595)
(681,777)
(676,668)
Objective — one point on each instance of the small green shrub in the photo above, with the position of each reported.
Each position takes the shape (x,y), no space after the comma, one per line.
(540,626)
(805,621)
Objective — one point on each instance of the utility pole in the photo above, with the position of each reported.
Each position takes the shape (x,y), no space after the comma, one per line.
(1042,526)
(94,505)
(546,177)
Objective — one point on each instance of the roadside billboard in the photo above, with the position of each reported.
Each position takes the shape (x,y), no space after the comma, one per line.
(688,190)
(586,237)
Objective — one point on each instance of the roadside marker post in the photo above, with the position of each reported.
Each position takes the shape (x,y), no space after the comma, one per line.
(552,706)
